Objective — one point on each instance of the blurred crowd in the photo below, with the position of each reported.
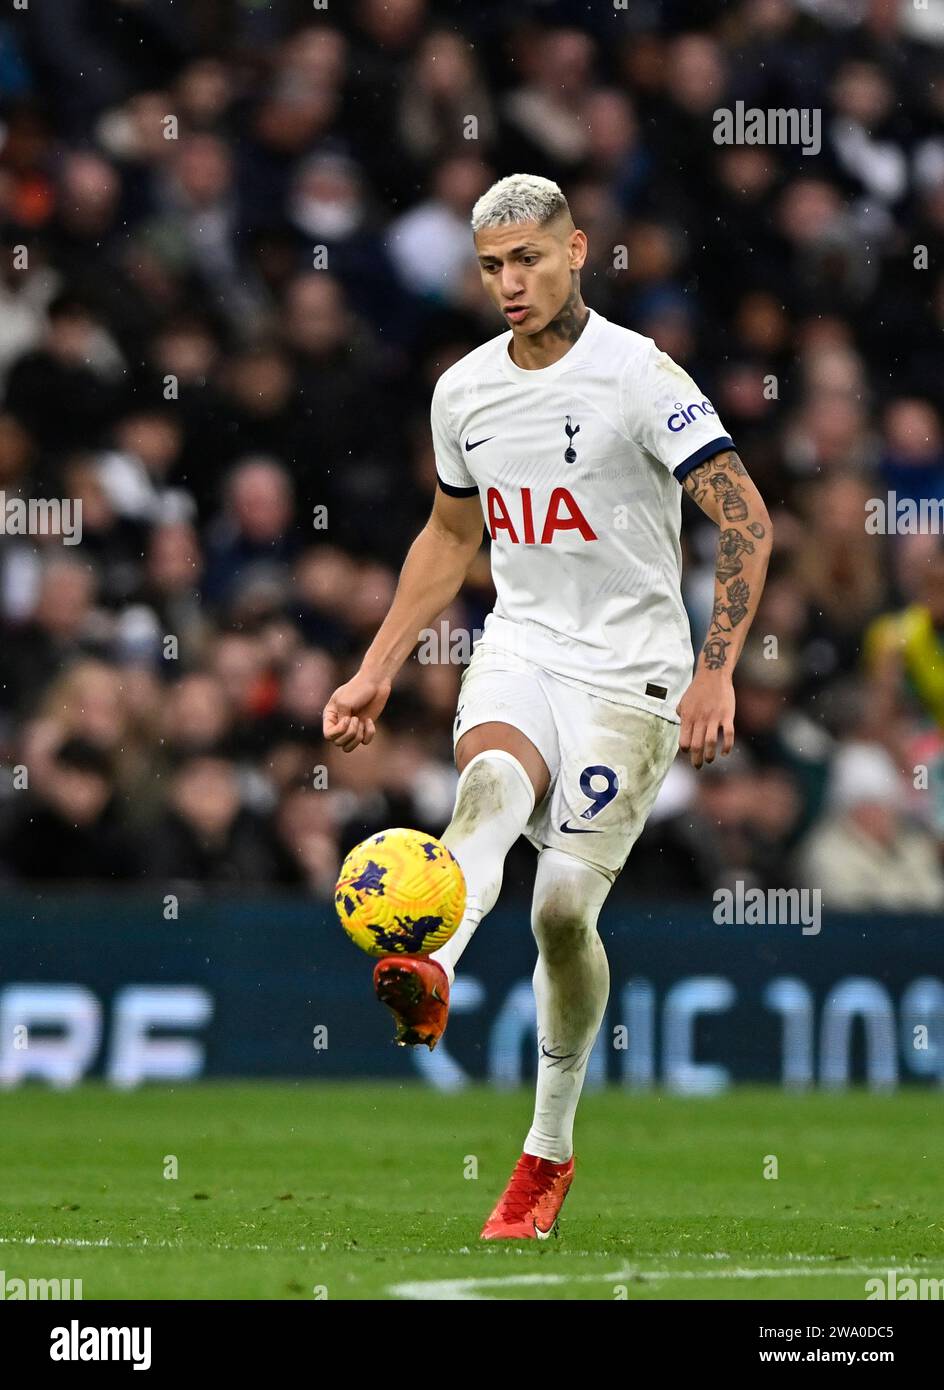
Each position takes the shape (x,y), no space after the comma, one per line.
(235,259)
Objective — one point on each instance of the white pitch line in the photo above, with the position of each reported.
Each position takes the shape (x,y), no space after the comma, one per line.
(447,1289)
(106,1243)
(452,1289)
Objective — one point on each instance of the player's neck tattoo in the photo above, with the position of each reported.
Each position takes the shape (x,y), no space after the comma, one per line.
(572,319)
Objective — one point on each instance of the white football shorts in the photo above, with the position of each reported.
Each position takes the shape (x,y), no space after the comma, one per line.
(607,761)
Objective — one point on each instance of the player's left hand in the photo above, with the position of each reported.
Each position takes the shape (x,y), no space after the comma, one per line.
(707,709)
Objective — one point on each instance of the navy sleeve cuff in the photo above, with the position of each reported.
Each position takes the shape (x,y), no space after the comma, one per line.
(454,491)
(706,451)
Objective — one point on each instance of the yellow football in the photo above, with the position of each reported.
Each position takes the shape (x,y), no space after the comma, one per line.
(400,892)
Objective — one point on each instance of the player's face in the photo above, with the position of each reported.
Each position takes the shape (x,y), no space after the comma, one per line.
(527,271)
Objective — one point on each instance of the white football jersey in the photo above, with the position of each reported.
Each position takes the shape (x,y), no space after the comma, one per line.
(578,467)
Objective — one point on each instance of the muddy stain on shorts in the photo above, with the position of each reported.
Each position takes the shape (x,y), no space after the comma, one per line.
(643,747)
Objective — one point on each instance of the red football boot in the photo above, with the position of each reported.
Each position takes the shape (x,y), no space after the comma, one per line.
(416,991)
(529,1206)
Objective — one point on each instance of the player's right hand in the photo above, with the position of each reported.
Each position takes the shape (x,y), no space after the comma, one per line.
(349,715)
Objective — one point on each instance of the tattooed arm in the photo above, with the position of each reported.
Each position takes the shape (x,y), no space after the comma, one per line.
(725,493)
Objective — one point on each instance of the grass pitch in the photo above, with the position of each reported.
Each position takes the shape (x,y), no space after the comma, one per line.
(367,1192)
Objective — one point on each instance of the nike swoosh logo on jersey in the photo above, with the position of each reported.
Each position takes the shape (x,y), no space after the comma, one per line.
(469,446)
(575,830)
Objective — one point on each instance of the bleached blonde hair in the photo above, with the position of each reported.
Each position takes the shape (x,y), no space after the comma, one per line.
(518,198)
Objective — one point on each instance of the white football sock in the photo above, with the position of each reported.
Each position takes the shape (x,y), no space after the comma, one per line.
(494,801)
(571,987)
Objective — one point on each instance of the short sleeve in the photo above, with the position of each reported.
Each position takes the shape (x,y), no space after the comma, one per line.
(451,472)
(665,412)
